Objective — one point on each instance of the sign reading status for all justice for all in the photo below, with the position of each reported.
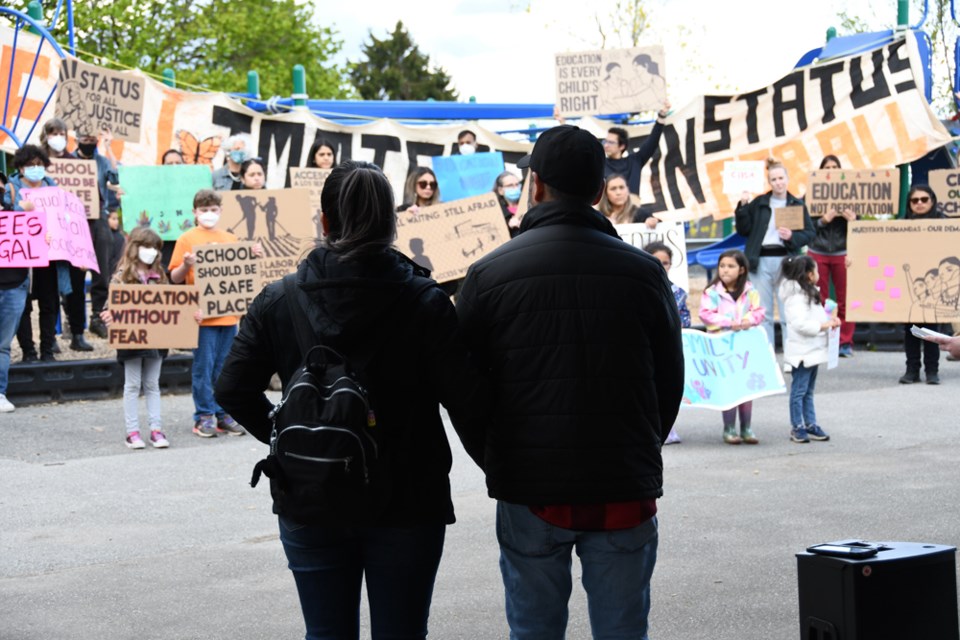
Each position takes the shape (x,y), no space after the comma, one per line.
(91,99)
(866,192)
(610,81)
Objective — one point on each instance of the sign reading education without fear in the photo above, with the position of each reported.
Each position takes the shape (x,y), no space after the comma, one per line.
(149,316)
(447,238)
(610,81)
(91,99)
(866,192)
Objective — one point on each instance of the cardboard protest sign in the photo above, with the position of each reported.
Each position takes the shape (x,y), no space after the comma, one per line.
(23,239)
(526,196)
(744,175)
(946,184)
(91,99)
(789,218)
(903,271)
(79,177)
(161,197)
(868,193)
(147,316)
(67,225)
(281,220)
(462,177)
(724,370)
(312,180)
(447,238)
(669,233)
(227,277)
(610,81)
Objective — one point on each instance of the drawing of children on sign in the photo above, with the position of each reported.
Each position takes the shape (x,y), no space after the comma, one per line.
(649,86)
(921,307)
(936,296)
(612,88)
(416,249)
(949,270)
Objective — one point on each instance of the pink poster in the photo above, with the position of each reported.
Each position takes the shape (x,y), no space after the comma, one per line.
(23,240)
(67,224)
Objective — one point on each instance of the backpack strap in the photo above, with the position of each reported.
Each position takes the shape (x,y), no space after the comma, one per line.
(306,338)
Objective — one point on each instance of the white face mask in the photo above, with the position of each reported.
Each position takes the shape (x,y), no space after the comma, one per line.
(147,255)
(208,219)
(57,143)
(467,149)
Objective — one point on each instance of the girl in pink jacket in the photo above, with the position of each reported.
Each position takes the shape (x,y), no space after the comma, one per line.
(730,303)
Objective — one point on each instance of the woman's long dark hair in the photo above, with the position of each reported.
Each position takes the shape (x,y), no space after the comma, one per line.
(357,202)
(321,142)
(741,259)
(926,190)
(798,269)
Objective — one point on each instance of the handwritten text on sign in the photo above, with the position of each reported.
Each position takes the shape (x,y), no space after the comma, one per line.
(79,177)
(670,234)
(22,239)
(724,370)
(227,278)
(153,316)
(67,224)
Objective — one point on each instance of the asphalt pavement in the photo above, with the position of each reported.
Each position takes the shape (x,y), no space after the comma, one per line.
(100,542)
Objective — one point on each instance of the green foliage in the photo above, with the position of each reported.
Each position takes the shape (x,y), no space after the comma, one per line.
(395,69)
(212,44)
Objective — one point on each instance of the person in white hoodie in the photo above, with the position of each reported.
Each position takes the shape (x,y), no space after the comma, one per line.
(805,347)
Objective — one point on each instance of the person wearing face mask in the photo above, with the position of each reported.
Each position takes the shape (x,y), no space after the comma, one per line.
(507,188)
(216,334)
(30,163)
(87,149)
(467,143)
(53,139)
(236,149)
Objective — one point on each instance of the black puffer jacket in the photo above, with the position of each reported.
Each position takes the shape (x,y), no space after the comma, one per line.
(831,238)
(581,336)
(420,362)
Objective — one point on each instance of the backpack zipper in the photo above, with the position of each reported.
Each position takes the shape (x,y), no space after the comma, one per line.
(363,454)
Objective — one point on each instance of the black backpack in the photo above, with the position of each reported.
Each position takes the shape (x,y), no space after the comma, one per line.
(324,449)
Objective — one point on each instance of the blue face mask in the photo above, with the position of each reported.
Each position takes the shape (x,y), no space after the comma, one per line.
(34,174)
(512,194)
(238,156)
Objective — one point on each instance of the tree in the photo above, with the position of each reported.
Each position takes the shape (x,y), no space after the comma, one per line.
(395,69)
(212,44)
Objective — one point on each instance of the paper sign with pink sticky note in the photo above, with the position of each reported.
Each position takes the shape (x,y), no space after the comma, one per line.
(895,293)
(856,304)
(889,271)
(879,307)
(873,262)
(879,285)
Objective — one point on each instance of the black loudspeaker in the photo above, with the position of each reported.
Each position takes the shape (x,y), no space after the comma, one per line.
(907,591)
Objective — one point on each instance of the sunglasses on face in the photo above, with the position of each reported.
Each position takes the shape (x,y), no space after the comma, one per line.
(426,184)
(920,199)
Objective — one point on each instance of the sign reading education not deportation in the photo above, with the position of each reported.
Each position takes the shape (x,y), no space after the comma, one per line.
(946,184)
(22,239)
(79,177)
(447,238)
(91,99)
(610,81)
(153,316)
(867,192)
(227,277)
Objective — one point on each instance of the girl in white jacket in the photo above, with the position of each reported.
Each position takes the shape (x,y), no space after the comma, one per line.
(805,347)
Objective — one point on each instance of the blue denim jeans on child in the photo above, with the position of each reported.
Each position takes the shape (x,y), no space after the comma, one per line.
(329,564)
(213,345)
(11,308)
(535,561)
(802,412)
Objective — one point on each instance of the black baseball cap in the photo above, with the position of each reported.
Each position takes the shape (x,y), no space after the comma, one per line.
(568,159)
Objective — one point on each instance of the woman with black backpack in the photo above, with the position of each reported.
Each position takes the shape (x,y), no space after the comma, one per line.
(359,465)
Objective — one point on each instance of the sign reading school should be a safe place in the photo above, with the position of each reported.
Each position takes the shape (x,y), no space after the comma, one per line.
(228,278)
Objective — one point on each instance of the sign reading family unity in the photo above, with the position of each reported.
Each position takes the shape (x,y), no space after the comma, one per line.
(91,99)
(946,184)
(67,226)
(23,240)
(312,179)
(670,234)
(79,177)
(866,192)
(161,197)
(147,316)
(610,81)
(447,238)
(281,220)
(723,370)
(227,277)
(903,271)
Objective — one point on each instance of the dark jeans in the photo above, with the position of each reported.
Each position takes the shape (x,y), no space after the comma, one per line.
(103,247)
(46,293)
(330,563)
(75,303)
(912,346)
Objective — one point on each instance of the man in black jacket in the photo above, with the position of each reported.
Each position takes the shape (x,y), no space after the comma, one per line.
(580,334)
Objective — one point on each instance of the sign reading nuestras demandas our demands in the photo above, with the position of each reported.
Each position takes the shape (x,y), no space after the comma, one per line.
(723,370)
(227,277)
(147,316)
(23,240)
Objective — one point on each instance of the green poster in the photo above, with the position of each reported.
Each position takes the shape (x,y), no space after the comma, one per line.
(161,197)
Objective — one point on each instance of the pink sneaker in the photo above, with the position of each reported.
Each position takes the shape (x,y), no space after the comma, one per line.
(134,441)
(158,440)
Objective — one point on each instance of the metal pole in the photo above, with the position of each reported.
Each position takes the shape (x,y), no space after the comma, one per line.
(299,87)
(903,15)
(253,84)
(35,11)
(831,33)
(170,78)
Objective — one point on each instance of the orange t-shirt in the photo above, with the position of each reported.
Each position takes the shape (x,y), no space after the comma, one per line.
(185,244)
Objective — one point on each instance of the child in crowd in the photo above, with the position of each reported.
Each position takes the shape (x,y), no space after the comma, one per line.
(664,254)
(118,239)
(805,347)
(141,264)
(730,303)
(216,334)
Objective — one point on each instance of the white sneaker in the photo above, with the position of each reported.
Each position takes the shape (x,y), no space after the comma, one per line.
(5,405)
